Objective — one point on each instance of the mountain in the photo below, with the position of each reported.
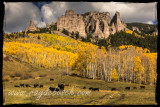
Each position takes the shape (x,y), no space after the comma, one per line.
(95,23)
(72,22)
(32,27)
(142,28)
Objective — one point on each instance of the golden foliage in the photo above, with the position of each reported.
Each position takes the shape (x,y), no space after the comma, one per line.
(39,55)
(6,78)
(131,32)
(53,51)
(114,75)
(137,65)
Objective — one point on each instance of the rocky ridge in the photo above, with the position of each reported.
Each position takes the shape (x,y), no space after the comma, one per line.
(98,24)
(32,27)
(72,22)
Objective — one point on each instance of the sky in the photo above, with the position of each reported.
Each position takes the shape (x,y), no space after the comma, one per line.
(18,14)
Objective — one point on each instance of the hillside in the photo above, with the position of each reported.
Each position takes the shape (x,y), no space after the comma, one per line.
(80,53)
(54,51)
(98,24)
(138,34)
(143,28)
(123,38)
(31,58)
(16,72)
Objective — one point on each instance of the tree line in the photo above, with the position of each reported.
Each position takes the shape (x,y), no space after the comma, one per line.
(130,64)
(144,28)
(123,38)
(125,63)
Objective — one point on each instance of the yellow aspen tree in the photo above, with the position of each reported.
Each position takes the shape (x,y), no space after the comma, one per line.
(114,75)
(152,74)
(138,68)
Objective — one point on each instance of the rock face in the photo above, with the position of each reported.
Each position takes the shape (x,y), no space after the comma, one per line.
(52,23)
(155,32)
(148,28)
(47,25)
(119,24)
(101,24)
(32,27)
(97,24)
(137,29)
(72,22)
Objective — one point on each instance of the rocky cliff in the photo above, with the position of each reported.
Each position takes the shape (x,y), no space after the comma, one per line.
(52,23)
(137,29)
(96,23)
(143,28)
(32,27)
(101,24)
(72,22)
(47,25)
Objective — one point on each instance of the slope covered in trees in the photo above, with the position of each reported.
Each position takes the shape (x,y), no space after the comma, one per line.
(46,50)
(144,28)
(129,38)
(129,64)
(121,62)
(122,38)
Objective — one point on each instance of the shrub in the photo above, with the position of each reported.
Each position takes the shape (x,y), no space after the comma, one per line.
(12,76)
(65,32)
(43,75)
(38,37)
(17,74)
(26,76)
(64,73)
(15,79)
(77,35)
(6,78)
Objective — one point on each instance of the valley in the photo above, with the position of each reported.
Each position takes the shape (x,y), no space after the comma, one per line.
(41,76)
(82,59)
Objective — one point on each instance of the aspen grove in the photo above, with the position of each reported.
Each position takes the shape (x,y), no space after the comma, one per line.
(126,63)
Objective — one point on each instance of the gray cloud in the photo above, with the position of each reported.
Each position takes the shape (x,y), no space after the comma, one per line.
(52,11)
(18,15)
(130,12)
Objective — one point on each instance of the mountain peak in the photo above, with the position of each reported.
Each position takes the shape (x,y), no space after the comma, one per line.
(94,22)
(32,27)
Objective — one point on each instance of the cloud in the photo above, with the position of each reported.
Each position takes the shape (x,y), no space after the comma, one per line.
(149,22)
(41,24)
(47,14)
(18,16)
(130,12)
(52,11)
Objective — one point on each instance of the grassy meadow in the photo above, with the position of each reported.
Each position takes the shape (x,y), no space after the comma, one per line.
(36,58)
(16,72)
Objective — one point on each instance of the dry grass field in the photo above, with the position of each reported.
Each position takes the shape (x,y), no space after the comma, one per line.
(16,72)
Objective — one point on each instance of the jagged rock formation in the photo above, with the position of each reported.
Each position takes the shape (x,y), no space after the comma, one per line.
(98,24)
(137,29)
(47,25)
(148,28)
(32,27)
(119,24)
(101,24)
(52,23)
(155,32)
(72,22)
